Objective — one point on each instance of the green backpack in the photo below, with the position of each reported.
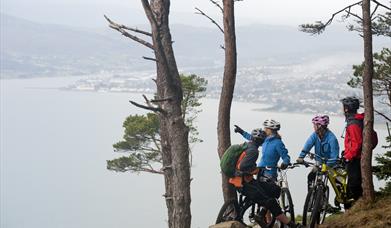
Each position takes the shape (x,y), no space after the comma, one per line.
(230,157)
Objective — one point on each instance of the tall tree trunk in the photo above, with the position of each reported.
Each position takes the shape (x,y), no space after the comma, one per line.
(166,158)
(223,124)
(175,131)
(366,158)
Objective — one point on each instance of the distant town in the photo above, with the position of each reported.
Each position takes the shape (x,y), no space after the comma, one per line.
(289,88)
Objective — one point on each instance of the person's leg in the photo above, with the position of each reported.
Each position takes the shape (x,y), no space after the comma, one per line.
(259,192)
(276,211)
(354,179)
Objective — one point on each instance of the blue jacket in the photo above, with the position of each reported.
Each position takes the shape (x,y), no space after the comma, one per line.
(327,147)
(272,150)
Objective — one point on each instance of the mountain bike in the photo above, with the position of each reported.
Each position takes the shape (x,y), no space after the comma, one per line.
(285,199)
(316,203)
(250,213)
(245,211)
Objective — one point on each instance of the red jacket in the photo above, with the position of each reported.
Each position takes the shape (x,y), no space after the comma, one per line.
(353,136)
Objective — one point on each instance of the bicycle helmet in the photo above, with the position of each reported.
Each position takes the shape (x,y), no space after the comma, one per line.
(322,120)
(351,103)
(272,124)
(258,135)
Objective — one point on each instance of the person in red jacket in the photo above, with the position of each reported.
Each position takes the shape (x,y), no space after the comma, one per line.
(353,145)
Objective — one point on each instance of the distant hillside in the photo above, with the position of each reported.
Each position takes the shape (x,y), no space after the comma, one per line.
(34,49)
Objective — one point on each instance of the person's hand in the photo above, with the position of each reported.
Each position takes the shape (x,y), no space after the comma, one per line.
(237,129)
(283,166)
(300,160)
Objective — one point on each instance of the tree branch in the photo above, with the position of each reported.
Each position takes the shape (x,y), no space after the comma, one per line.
(155,141)
(383,115)
(128,28)
(374,11)
(117,27)
(319,26)
(161,100)
(211,19)
(150,171)
(149,13)
(149,58)
(353,14)
(147,101)
(379,4)
(218,5)
(147,107)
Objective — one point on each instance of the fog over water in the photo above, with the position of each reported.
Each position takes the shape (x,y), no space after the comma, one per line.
(55,143)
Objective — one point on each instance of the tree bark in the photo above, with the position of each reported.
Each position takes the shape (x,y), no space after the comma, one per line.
(366,157)
(174,129)
(166,159)
(223,124)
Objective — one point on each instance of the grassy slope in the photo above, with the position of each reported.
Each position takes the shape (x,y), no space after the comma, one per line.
(373,215)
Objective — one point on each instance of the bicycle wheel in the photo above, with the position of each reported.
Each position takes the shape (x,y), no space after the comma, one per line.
(228,212)
(287,204)
(324,206)
(264,218)
(317,206)
(248,215)
(308,205)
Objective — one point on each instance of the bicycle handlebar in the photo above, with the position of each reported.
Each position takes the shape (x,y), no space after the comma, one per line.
(290,166)
(312,155)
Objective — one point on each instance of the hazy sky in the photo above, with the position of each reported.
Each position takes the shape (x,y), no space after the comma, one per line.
(89,12)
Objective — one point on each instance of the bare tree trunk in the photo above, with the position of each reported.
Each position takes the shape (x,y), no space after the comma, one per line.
(175,131)
(366,157)
(223,124)
(166,158)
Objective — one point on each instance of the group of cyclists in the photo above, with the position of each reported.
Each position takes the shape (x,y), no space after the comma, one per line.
(322,140)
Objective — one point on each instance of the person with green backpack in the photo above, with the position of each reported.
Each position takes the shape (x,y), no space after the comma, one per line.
(239,163)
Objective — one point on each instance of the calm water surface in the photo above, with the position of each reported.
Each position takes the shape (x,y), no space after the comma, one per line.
(54,147)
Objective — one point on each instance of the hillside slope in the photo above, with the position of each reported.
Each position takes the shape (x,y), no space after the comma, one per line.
(373,215)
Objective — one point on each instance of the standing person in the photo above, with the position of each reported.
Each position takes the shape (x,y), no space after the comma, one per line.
(353,145)
(325,143)
(272,149)
(264,193)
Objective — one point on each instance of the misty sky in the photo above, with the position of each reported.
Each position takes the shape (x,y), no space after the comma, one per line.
(89,12)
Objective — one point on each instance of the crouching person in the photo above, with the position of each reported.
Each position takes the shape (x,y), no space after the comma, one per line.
(264,193)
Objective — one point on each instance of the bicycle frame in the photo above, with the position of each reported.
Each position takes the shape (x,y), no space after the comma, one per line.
(337,179)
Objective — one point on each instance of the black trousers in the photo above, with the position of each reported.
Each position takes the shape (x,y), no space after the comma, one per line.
(265,194)
(353,168)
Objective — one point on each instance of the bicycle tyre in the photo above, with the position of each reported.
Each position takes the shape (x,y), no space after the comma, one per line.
(263,224)
(308,206)
(225,213)
(323,211)
(287,204)
(315,215)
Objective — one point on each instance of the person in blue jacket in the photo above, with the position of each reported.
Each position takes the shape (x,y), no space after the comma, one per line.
(272,149)
(325,143)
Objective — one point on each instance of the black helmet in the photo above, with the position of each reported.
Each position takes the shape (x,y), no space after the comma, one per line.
(351,103)
(258,136)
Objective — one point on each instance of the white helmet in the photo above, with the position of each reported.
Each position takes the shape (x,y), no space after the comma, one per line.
(272,124)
